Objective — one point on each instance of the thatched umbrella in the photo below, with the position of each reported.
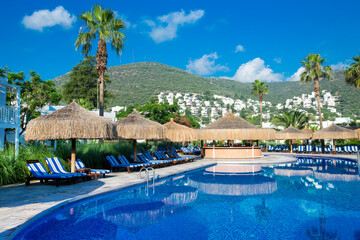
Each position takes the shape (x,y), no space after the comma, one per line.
(358,131)
(71,122)
(292,133)
(335,132)
(176,132)
(135,127)
(306,129)
(231,127)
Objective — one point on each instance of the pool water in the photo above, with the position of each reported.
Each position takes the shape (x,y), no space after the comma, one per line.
(314,198)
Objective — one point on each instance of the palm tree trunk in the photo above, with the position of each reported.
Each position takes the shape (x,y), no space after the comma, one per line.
(261,100)
(101,62)
(317,94)
(101,93)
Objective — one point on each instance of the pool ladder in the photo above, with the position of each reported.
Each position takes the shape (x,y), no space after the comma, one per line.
(147,176)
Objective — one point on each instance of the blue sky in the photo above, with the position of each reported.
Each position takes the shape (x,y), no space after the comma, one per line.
(241,40)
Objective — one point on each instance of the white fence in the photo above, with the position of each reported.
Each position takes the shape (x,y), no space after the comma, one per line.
(8,114)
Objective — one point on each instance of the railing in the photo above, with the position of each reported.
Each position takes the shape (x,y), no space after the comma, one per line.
(8,114)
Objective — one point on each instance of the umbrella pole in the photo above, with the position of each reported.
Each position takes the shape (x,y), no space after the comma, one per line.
(135,150)
(291,146)
(171,149)
(73,154)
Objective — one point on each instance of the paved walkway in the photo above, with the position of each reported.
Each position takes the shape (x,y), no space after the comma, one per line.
(19,203)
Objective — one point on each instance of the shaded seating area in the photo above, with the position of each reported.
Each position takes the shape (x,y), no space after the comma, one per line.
(39,173)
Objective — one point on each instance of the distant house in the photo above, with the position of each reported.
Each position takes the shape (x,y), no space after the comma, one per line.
(9,115)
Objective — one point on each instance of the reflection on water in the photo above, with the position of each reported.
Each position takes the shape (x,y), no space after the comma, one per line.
(313,198)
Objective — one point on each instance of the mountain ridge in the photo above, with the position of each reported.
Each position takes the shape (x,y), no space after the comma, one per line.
(136,83)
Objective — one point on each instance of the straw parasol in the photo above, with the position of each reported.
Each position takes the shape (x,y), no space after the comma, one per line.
(135,127)
(358,131)
(306,129)
(71,122)
(231,127)
(335,132)
(292,133)
(176,132)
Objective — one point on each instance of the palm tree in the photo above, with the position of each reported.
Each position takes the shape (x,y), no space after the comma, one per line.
(292,118)
(100,24)
(314,71)
(259,88)
(352,73)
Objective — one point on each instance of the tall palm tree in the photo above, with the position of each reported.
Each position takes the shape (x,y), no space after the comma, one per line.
(101,24)
(314,72)
(291,118)
(352,73)
(259,88)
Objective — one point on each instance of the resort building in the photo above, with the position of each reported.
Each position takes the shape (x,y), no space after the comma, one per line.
(9,115)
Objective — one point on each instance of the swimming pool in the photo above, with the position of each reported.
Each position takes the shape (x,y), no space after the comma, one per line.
(314,198)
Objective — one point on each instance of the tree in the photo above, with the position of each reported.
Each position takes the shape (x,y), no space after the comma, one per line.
(292,118)
(82,84)
(101,24)
(158,112)
(124,112)
(352,73)
(188,121)
(314,72)
(35,94)
(259,88)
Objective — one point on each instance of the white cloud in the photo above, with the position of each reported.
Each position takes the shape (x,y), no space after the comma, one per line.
(296,75)
(46,18)
(256,69)
(167,25)
(239,48)
(205,65)
(277,60)
(338,66)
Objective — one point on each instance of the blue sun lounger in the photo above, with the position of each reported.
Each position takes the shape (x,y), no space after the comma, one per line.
(39,172)
(56,167)
(177,156)
(162,156)
(159,163)
(80,165)
(124,163)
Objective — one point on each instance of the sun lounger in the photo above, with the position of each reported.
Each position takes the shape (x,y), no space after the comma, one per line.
(187,151)
(123,163)
(160,163)
(55,166)
(309,149)
(162,156)
(124,160)
(176,155)
(39,172)
(354,149)
(80,165)
(327,150)
(338,150)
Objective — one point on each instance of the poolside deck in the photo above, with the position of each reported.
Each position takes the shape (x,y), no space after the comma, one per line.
(19,203)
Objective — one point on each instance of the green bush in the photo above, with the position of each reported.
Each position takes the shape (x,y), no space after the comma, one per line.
(15,171)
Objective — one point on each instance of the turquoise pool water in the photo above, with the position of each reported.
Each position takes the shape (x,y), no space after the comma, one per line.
(314,198)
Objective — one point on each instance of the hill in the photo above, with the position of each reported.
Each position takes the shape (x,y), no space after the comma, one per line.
(138,82)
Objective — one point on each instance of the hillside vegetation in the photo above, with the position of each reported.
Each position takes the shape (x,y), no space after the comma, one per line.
(138,82)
